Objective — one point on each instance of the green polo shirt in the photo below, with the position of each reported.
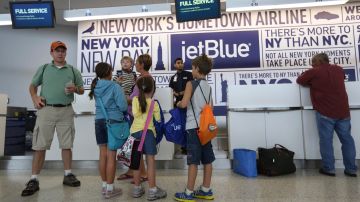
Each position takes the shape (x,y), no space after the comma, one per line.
(53,80)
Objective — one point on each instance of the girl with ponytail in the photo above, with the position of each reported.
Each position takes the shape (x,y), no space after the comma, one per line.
(113,98)
(140,108)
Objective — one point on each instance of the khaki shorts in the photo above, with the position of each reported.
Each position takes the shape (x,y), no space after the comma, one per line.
(51,118)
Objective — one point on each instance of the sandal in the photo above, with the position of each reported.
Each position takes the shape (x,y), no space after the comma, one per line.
(142,179)
(124,177)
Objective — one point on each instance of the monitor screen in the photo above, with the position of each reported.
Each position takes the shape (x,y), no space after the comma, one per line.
(32,14)
(197,10)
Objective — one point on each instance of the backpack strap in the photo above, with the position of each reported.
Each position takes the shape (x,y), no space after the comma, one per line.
(43,70)
(192,107)
(207,102)
(45,65)
(72,68)
(104,110)
(147,123)
(195,84)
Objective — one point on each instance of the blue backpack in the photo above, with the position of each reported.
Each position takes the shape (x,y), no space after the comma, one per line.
(159,125)
(175,128)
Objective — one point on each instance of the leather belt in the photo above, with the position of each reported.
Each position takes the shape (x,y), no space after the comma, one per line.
(58,105)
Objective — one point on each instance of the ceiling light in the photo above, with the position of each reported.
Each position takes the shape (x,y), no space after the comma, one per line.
(5,19)
(117,12)
(251,5)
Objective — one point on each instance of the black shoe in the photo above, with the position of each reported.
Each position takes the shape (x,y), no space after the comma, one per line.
(350,174)
(183,151)
(322,171)
(31,187)
(70,180)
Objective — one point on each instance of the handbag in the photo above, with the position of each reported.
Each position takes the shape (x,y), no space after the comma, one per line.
(244,162)
(276,161)
(175,128)
(130,153)
(124,154)
(159,125)
(117,131)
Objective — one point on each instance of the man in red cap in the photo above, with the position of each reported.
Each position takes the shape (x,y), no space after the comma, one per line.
(59,81)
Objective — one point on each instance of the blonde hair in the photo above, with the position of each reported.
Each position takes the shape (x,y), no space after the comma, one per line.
(127,58)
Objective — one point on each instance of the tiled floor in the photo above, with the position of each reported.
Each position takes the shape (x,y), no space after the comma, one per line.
(305,185)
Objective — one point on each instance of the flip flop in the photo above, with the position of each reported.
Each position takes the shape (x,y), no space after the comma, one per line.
(142,179)
(124,177)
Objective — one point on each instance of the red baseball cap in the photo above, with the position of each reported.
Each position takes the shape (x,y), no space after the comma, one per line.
(56,44)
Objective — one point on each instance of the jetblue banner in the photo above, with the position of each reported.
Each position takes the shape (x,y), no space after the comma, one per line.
(229,50)
(269,47)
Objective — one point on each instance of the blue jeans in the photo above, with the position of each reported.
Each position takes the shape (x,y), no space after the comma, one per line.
(326,127)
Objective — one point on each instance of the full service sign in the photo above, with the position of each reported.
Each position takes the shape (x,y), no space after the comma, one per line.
(248,48)
(188,10)
(30,15)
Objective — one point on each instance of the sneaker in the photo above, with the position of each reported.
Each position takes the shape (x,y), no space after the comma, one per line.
(103,190)
(138,192)
(203,195)
(70,180)
(113,193)
(158,194)
(31,187)
(350,174)
(182,196)
(322,171)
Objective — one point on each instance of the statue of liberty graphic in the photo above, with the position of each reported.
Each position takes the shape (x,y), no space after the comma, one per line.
(224,86)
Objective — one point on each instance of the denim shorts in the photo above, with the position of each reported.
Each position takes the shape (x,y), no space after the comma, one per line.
(101,132)
(197,152)
(149,142)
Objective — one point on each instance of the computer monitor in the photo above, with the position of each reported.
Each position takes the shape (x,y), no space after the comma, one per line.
(32,14)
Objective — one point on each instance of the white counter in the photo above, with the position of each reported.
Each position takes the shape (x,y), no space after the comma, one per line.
(261,116)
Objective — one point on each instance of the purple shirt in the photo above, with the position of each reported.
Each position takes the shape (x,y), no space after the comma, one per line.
(136,93)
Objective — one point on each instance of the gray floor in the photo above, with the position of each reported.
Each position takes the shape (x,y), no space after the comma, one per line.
(305,185)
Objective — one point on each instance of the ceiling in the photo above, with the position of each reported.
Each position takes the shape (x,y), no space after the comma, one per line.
(61,5)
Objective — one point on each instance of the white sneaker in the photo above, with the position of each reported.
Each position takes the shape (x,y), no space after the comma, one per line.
(138,192)
(113,193)
(158,194)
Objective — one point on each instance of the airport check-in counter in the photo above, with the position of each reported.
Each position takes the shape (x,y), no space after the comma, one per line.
(85,147)
(264,115)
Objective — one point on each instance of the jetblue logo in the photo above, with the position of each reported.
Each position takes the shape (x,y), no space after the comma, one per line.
(176,127)
(228,49)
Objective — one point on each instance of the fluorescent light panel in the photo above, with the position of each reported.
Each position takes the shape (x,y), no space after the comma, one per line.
(5,19)
(244,5)
(117,12)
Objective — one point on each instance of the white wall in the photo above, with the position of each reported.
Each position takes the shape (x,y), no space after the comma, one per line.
(22,51)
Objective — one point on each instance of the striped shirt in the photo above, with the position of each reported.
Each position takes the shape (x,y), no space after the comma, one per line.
(128,82)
